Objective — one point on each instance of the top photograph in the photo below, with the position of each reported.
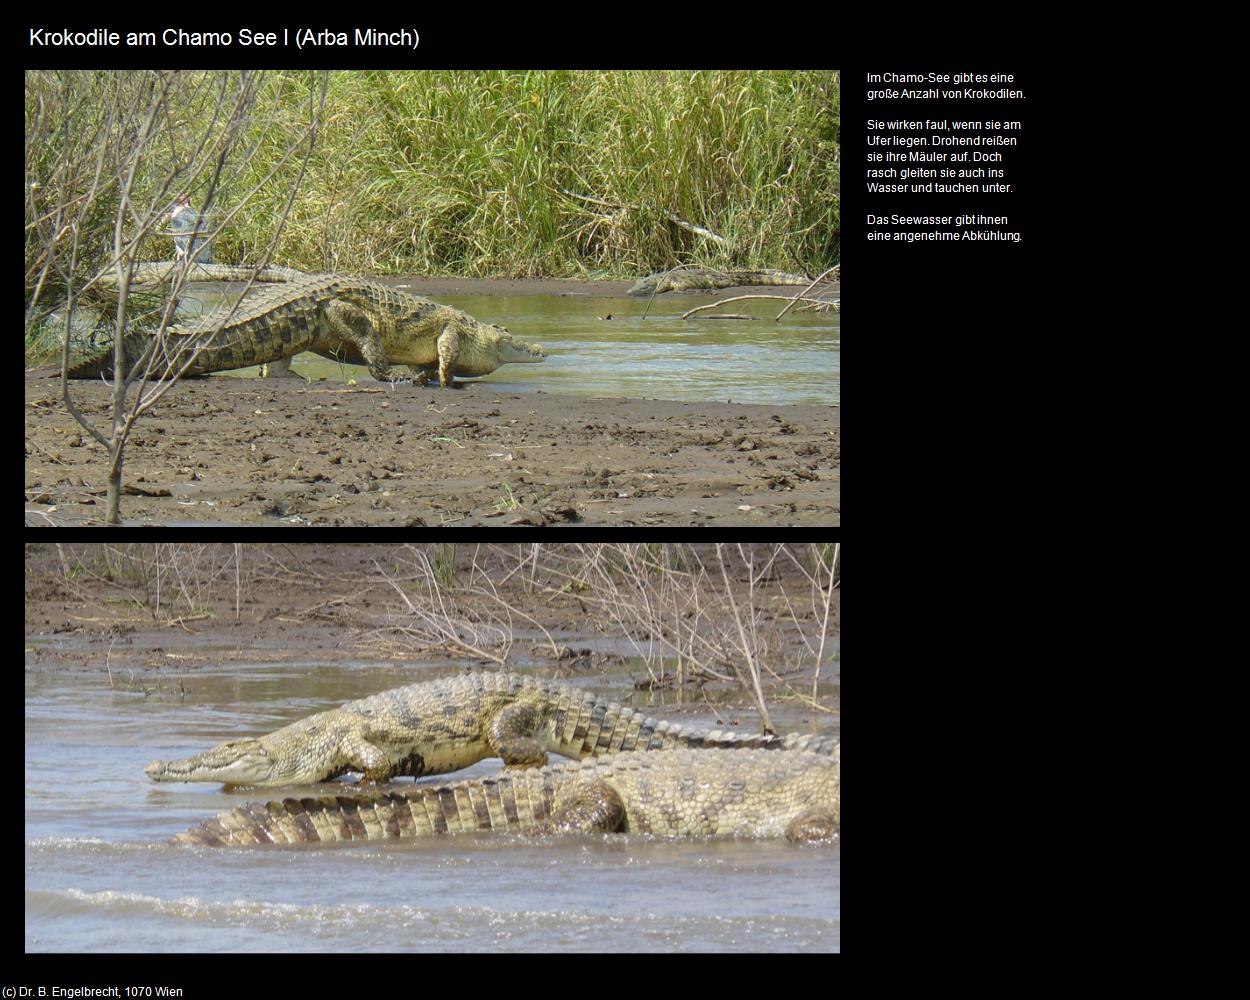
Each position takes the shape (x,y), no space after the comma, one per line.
(426,298)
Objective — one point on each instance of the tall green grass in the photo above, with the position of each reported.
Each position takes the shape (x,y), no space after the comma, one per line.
(457,172)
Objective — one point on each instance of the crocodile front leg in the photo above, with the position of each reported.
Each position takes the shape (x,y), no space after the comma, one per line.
(280,368)
(351,324)
(448,353)
(368,759)
(508,735)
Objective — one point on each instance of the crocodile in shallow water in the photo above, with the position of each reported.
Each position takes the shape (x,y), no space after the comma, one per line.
(684,279)
(353,320)
(444,725)
(157,272)
(667,793)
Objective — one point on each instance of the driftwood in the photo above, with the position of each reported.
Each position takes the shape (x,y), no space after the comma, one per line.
(836,267)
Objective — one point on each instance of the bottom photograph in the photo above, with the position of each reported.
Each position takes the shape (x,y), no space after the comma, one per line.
(449,747)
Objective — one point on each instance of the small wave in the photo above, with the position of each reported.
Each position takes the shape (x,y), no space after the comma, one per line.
(249,911)
(366,925)
(88,845)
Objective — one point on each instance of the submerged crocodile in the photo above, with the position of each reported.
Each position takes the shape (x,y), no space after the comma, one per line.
(353,320)
(685,279)
(668,793)
(158,272)
(444,725)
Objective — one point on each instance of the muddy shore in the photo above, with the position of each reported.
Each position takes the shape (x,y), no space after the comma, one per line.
(96,608)
(283,452)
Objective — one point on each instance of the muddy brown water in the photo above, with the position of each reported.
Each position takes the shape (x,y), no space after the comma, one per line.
(99,876)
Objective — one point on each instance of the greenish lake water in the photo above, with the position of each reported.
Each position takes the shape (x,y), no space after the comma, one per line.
(659,357)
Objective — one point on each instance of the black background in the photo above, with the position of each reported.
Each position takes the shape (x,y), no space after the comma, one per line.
(946,379)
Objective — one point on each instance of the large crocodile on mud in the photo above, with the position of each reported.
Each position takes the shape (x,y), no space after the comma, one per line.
(444,725)
(667,793)
(685,279)
(353,320)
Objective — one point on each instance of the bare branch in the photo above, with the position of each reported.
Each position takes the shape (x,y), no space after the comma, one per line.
(107,154)
(737,298)
(803,294)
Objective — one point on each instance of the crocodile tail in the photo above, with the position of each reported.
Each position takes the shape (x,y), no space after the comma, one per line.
(324,819)
(237,352)
(476,805)
(826,746)
(101,364)
(92,367)
(593,728)
(718,739)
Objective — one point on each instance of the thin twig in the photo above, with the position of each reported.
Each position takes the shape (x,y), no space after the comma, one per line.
(747,647)
(800,295)
(736,298)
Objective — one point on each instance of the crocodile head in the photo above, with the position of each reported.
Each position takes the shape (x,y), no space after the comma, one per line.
(518,352)
(491,346)
(239,762)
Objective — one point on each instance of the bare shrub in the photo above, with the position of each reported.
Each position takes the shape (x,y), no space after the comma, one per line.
(169,579)
(719,612)
(107,155)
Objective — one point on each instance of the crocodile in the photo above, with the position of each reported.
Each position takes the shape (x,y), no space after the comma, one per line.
(156,272)
(666,793)
(685,279)
(443,725)
(353,320)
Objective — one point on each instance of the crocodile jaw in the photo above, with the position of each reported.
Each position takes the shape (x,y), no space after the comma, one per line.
(514,353)
(241,762)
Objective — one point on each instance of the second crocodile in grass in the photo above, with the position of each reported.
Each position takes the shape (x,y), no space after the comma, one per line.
(353,320)
(444,725)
